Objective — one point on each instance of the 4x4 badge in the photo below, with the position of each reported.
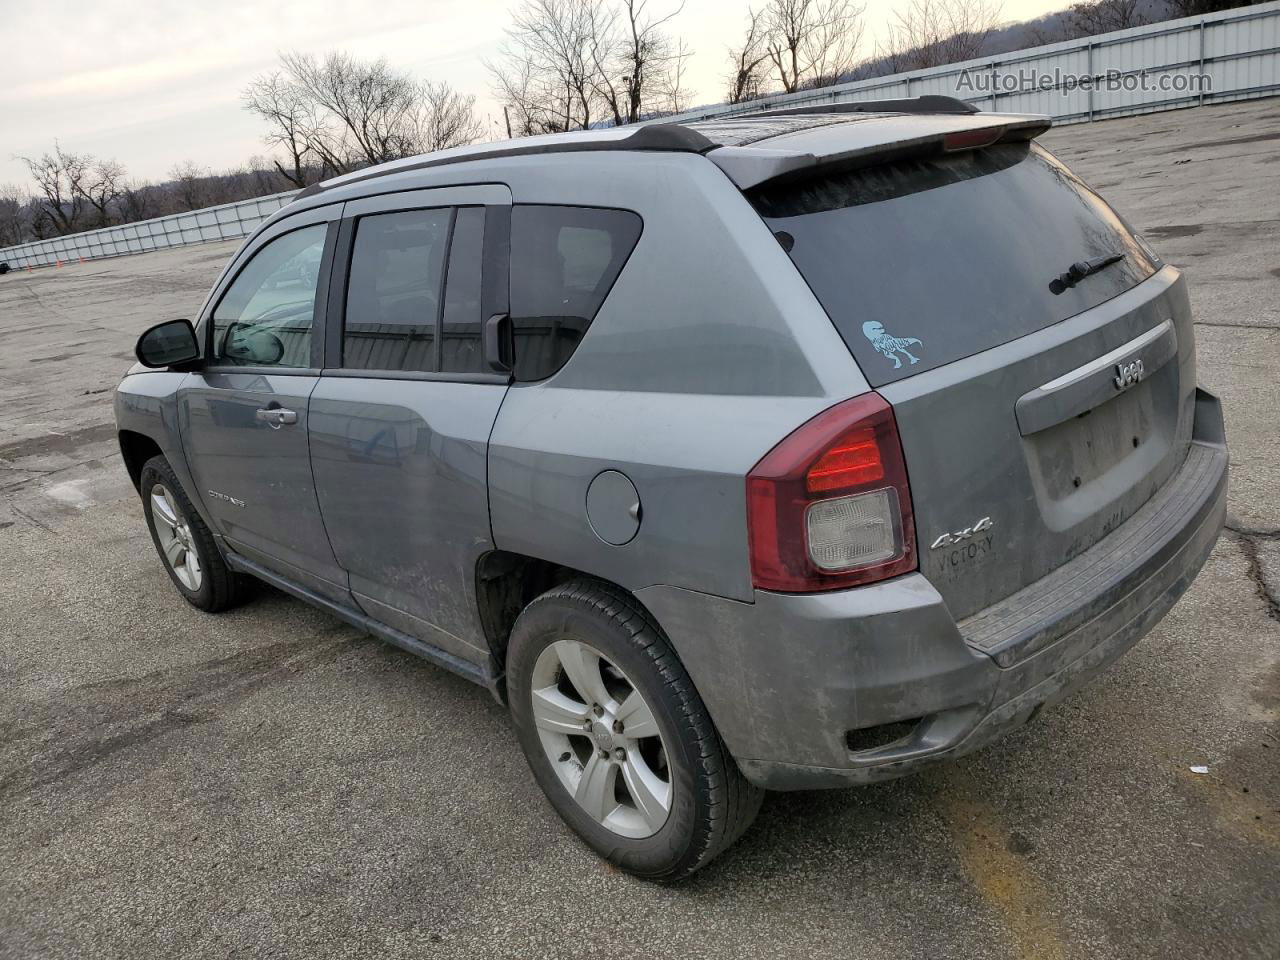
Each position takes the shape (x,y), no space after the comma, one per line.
(947,539)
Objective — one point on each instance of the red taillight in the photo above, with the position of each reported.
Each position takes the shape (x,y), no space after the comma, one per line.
(971,139)
(854,461)
(829,506)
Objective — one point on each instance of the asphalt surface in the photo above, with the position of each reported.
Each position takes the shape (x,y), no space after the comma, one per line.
(270,783)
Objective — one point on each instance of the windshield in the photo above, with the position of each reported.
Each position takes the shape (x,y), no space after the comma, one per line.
(924,261)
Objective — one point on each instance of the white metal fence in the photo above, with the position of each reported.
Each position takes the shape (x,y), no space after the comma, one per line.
(227,221)
(1139,69)
(1131,71)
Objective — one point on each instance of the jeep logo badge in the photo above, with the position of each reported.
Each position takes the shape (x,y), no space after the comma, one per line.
(1127,374)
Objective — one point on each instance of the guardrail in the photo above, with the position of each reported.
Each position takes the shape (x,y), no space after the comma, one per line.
(1237,50)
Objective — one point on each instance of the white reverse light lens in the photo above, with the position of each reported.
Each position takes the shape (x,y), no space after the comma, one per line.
(853,531)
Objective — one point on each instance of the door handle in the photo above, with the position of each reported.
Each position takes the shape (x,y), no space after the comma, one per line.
(276,417)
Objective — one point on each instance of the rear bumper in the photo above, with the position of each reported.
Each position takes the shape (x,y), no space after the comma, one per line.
(806,689)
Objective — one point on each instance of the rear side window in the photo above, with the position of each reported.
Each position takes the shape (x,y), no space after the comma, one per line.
(925,261)
(564,261)
(394,289)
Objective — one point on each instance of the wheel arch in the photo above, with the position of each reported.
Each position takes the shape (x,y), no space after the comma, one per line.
(507,582)
(136,449)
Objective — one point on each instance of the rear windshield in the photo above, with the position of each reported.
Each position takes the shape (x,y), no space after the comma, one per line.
(924,261)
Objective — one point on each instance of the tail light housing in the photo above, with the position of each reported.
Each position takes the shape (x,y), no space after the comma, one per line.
(829,506)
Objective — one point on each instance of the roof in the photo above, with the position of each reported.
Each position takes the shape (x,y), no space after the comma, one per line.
(750,149)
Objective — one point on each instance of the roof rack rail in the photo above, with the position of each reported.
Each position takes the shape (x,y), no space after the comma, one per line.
(930,103)
(656,137)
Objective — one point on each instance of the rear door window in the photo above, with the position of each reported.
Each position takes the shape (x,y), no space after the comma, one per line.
(564,261)
(394,290)
(925,261)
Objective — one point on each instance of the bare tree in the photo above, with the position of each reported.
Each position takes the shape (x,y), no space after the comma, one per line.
(15,206)
(798,44)
(337,113)
(101,187)
(76,189)
(930,33)
(1192,8)
(1049,29)
(285,108)
(263,176)
(368,107)
(547,70)
(671,93)
(190,187)
(444,118)
(749,60)
(137,201)
(78,192)
(57,176)
(639,66)
(813,43)
(524,112)
(1089,19)
(569,64)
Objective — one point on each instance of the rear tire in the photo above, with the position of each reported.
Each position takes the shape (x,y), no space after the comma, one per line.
(185,545)
(676,749)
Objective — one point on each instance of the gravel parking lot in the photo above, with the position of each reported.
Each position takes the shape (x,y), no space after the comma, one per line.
(272,783)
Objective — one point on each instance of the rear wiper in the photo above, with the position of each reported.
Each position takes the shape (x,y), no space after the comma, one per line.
(1081,269)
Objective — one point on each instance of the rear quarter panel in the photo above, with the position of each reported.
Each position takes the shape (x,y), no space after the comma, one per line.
(709,349)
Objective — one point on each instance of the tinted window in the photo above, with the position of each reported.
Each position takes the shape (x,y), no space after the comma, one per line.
(938,258)
(265,317)
(393,291)
(564,261)
(460,348)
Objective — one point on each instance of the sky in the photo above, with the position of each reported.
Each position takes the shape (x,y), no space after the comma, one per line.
(155,83)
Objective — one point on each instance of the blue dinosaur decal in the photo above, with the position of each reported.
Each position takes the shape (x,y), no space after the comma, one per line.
(887,345)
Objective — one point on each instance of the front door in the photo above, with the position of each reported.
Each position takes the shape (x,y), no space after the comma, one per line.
(401,417)
(243,417)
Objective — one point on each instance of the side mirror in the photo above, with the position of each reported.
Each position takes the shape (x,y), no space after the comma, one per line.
(168,344)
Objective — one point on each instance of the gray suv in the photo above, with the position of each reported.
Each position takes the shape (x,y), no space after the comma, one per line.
(792,451)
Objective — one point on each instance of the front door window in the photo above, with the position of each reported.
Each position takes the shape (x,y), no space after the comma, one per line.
(265,318)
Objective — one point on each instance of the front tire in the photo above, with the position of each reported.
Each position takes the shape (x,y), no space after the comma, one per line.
(617,736)
(185,545)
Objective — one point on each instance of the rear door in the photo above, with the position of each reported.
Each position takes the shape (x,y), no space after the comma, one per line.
(401,417)
(1037,412)
(244,415)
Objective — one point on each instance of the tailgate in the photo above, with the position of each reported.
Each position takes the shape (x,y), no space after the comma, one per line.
(1039,360)
(1035,442)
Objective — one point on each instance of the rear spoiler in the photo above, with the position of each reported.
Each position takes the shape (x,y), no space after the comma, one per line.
(929,103)
(844,146)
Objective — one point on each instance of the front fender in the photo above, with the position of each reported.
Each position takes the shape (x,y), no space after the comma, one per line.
(146,403)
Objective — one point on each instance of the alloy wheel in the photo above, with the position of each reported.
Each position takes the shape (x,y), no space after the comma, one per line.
(175,538)
(601,739)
